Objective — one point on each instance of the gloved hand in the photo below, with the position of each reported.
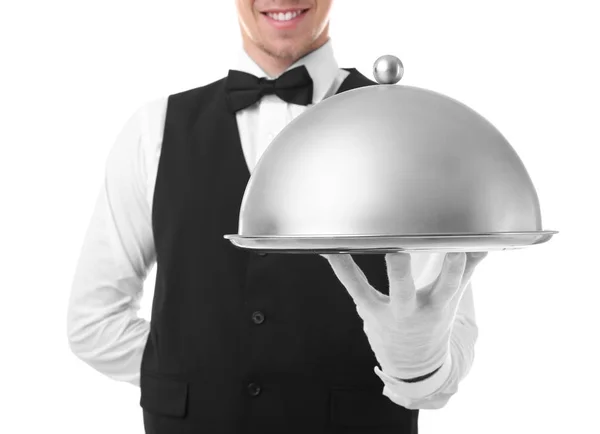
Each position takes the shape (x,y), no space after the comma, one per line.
(409,330)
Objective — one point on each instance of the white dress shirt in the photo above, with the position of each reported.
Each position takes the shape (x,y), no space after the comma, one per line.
(118,251)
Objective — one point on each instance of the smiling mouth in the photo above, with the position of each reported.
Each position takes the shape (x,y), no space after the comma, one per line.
(285,16)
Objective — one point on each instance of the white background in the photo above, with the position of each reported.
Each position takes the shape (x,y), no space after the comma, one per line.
(74,71)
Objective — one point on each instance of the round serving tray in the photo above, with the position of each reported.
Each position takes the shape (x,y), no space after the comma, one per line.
(389,244)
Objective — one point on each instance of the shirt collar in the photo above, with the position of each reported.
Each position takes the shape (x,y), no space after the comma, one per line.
(320,63)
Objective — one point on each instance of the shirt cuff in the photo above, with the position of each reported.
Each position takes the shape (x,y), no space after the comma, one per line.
(399,391)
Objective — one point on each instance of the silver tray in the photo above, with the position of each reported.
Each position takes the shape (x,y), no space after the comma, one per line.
(388,244)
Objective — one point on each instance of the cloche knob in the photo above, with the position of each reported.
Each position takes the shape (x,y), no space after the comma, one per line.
(388,69)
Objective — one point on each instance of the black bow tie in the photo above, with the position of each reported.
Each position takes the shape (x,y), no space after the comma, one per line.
(294,86)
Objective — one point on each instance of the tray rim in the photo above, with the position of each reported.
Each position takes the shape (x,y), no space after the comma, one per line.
(389,244)
(386,236)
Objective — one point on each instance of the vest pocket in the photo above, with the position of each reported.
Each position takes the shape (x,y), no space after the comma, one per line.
(360,407)
(164,396)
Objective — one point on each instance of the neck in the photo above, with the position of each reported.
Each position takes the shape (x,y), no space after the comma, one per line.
(274,65)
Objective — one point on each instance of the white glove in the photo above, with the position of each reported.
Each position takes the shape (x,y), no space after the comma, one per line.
(409,330)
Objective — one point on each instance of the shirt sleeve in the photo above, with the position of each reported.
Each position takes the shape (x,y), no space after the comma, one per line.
(103,326)
(435,391)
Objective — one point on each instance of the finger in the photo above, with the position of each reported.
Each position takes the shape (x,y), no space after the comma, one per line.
(352,277)
(402,284)
(473,259)
(449,280)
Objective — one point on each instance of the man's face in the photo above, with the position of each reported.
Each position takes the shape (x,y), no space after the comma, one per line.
(285,29)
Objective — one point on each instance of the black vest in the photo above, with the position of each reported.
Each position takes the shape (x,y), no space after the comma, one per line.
(241,342)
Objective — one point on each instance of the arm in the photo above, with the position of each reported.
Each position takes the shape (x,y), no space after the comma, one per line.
(435,391)
(103,327)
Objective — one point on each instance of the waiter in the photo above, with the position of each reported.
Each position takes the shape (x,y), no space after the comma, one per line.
(241,342)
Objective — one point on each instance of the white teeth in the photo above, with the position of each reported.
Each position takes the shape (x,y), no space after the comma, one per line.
(280,16)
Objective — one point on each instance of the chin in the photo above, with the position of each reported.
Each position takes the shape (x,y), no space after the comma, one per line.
(288,49)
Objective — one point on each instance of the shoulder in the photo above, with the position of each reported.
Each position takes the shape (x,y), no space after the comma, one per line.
(151,114)
(197,96)
(153,110)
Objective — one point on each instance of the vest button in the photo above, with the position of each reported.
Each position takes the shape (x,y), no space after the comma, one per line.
(258,317)
(262,254)
(253,389)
